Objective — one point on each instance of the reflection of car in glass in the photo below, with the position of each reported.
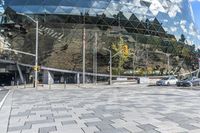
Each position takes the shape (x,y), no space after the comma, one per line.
(171,80)
(191,81)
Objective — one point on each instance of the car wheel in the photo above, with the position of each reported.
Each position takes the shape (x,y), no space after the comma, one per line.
(190,85)
(168,84)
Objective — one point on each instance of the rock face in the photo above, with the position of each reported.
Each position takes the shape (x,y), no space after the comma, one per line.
(66,52)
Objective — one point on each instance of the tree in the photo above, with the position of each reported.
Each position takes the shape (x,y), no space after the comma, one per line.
(182,39)
(121,49)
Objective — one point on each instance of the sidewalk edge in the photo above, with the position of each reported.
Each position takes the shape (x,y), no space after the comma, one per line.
(4,99)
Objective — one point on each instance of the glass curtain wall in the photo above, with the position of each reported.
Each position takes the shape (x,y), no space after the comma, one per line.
(145,37)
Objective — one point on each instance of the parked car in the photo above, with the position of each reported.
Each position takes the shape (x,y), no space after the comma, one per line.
(170,80)
(191,81)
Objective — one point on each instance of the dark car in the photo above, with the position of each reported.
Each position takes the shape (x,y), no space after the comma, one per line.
(192,81)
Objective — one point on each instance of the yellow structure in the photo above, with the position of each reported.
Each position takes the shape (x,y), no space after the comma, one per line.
(38,68)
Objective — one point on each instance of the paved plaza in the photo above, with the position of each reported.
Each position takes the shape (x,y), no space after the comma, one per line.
(131,109)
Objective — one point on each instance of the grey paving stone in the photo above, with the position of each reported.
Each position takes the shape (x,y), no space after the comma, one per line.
(40,108)
(25,113)
(177,117)
(147,127)
(47,129)
(162,119)
(111,118)
(165,107)
(57,102)
(60,109)
(98,123)
(149,131)
(39,121)
(114,130)
(103,126)
(113,110)
(47,115)
(44,104)
(62,116)
(188,126)
(19,128)
(197,119)
(68,122)
(87,116)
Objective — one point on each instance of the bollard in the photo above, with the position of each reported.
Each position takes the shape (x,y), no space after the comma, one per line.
(24,84)
(17,84)
(50,86)
(65,85)
(138,81)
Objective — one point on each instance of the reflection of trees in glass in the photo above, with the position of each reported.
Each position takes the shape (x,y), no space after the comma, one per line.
(182,39)
(120,49)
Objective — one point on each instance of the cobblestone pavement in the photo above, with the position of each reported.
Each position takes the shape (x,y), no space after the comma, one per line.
(110,110)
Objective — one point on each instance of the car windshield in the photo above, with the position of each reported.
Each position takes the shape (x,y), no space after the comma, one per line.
(188,78)
(165,78)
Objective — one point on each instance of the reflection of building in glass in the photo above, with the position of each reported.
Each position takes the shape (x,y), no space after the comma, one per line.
(175,16)
(158,22)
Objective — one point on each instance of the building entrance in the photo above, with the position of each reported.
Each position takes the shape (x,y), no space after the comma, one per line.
(6,78)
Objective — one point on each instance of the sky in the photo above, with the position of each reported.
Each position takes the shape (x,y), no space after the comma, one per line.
(196,9)
(196,12)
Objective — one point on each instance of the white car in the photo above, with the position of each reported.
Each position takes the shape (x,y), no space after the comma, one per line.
(170,80)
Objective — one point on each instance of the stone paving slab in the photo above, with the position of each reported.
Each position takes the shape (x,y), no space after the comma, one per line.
(124,109)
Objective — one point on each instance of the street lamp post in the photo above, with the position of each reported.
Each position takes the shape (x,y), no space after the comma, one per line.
(84,55)
(198,73)
(168,59)
(110,52)
(111,56)
(133,54)
(36,48)
(110,67)
(168,55)
(36,56)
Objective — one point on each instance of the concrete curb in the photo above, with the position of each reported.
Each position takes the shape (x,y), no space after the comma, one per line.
(3,100)
(5,110)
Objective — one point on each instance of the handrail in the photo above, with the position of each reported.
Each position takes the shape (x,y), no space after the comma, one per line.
(78,72)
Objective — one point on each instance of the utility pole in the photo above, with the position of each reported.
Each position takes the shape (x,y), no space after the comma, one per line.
(110,52)
(198,72)
(36,48)
(110,67)
(147,61)
(95,59)
(36,57)
(84,49)
(168,55)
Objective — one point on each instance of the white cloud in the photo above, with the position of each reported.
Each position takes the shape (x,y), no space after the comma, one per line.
(173,29)
(174,9)
(183,25)
(192,29)
(192,12)
(193,0)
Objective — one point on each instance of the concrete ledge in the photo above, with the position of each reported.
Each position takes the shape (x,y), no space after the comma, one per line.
(5,113)
(3,100)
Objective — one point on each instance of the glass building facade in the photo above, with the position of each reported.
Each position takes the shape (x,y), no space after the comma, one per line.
(144,25)
(174,15)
